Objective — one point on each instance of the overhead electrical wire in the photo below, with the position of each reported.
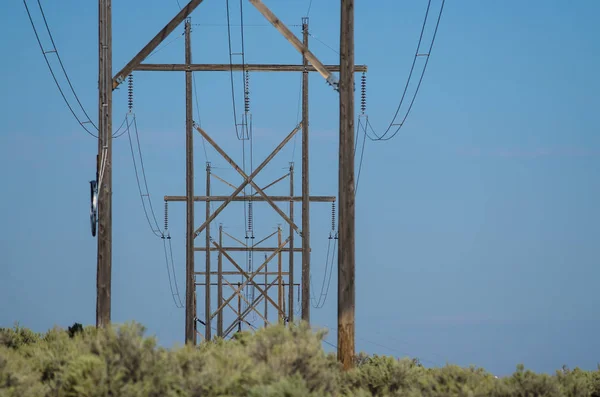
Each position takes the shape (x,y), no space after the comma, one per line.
(174,293)
(149,212)
(120,131)
(309,7)
(418,54)
(327,275)
(231,71)
(55,51)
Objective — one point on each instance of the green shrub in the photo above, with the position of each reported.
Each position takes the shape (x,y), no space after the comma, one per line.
(274,361)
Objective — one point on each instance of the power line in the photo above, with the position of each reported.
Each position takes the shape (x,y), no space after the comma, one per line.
(309,7)
(155,230)
(326,278)
(417,55)
(55,50)
(231,70)
(324,43)
(362,152)
(61,63)
(174,293)
(150,214)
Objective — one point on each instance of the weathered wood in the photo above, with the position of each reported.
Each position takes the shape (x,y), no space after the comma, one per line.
(220,275)
(280,296)
(105,110)
(190,290)
(247,249)
(292,249)
(281,314)
(237,273)
(305,188)
(247,180)
(207,305)
(245,312)
(314,199)
(272,183)
(249,278)
(225,67)
(346,243)
(156,40)
(287,33)
(236,292)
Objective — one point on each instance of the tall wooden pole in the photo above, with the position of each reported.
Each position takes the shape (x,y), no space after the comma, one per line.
(220,284)
(291,256)
(104,258)
(190,308)
(305,186)
(346,246)
(207,307)
(266,313)
(239,309)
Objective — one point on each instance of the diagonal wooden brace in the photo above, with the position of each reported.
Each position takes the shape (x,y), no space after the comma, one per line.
(275,253)
(273,183)
(248,179)
(287,33)
(250,279)
(156,40)
(246,311)
(238,293)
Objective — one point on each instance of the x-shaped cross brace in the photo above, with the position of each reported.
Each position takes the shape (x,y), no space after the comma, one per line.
(242,315)
(247,179)
(249,278)
(238,293)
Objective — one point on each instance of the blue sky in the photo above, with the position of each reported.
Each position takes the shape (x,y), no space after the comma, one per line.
(476,225)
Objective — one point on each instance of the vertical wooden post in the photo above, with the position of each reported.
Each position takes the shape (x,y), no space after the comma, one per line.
(279,266)
(280,291)
(207,308)
(220,285)
(239,309)
(104,255)
(346,245)
(266,314)
(305,186)
(190,287)
(291,256)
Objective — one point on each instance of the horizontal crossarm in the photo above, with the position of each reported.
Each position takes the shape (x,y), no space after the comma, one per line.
(225,67)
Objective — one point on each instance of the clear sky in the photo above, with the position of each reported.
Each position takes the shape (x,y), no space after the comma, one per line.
(477,225)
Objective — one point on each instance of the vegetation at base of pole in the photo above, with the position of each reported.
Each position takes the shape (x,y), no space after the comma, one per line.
(274,361)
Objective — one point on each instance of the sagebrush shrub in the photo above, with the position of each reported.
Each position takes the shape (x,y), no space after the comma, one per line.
(274,361)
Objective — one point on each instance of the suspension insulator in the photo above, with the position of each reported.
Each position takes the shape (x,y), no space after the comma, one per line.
(363,93)
(130,92)
(166,216)
(247,92)
(250,220)
(332,216)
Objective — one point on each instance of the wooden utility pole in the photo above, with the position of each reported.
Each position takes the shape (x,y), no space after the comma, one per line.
(220,284)
(291,257)
(207,305)
(104,259)
(346,245)
(190,288)
(239,309)
(305,185)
